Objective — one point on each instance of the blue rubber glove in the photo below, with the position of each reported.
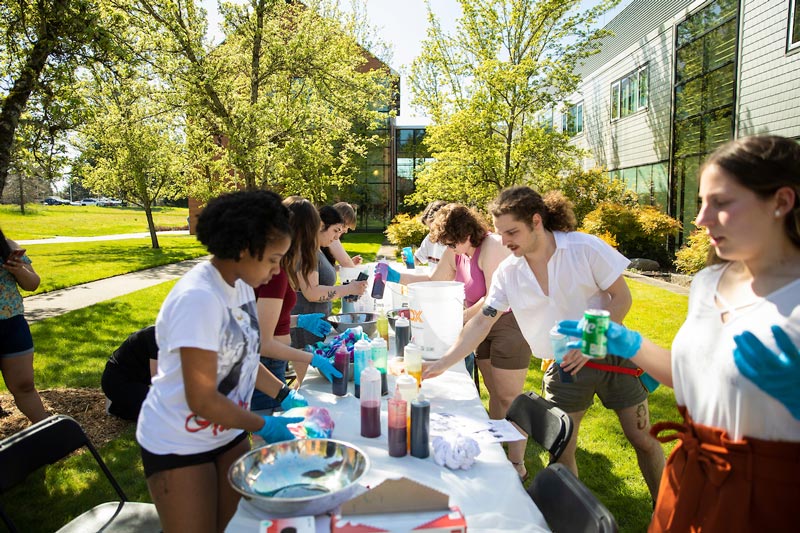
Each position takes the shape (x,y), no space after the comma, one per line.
(326,367)
(314,323)
(293,399)
(275,430)
(777,374)
(622,341)
(387,272)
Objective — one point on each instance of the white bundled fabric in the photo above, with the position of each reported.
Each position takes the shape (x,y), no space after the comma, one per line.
(455,451)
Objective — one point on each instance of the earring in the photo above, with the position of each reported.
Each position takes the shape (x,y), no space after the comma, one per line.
(777,213)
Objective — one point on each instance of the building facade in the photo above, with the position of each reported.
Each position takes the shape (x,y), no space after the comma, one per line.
(677,79)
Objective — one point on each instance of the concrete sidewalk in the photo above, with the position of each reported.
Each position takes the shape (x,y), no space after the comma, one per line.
(117,237)
(62,301)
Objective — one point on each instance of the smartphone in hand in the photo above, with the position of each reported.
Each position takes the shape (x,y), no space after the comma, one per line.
(16,254)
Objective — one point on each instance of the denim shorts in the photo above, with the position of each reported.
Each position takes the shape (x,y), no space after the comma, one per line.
(15,337)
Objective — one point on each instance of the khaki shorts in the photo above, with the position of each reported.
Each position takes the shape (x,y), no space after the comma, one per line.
(505,346)
(616,391)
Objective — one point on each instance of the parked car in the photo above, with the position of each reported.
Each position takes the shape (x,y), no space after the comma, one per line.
(55,200)
(89,201)
(108,202)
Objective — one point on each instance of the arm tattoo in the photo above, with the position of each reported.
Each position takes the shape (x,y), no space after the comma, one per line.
(489,311)
(328,297)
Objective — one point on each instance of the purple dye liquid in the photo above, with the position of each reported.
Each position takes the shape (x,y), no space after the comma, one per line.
(370,419)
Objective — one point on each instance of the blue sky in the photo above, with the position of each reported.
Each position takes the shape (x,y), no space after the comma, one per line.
(403,24)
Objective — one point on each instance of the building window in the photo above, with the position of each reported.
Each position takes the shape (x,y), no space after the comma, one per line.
(794,25)
(572,119)
(630,94)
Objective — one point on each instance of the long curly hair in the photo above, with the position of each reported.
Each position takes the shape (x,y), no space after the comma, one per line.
(301,259)
(243,220)
(456,223)
(523,202)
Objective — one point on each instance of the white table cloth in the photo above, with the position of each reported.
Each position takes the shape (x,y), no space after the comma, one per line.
(489,494)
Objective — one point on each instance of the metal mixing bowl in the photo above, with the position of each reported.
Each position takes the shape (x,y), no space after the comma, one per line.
(367,321)
(299,477)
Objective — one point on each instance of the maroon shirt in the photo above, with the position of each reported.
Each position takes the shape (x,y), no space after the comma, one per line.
(278,287)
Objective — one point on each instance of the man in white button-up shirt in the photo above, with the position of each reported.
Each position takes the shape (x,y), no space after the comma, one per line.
(553,274)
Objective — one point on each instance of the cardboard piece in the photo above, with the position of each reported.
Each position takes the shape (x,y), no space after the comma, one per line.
(399,505)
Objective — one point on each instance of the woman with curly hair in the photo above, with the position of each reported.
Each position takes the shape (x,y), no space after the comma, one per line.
(472,256)
(16,343)
(194,421)
(313,276)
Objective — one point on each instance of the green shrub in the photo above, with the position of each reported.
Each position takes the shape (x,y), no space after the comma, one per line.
(406,231)
(639,231)
(691,258)
(587,189)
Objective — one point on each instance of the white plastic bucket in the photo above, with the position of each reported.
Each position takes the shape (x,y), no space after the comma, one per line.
(437,311)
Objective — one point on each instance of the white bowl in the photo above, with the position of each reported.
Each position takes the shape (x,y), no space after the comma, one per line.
(299,477)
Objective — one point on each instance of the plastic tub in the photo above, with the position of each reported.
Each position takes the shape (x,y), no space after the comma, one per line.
(436,315)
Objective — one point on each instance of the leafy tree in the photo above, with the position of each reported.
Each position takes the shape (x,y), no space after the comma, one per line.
(41,44)
(484,87)
(132,142)
(279,103)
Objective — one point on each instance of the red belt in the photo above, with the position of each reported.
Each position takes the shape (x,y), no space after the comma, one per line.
(615,369)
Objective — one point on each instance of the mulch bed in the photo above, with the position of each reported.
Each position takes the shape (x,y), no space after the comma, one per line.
(86,405)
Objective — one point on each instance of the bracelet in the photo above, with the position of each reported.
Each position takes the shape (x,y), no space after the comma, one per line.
(282,394)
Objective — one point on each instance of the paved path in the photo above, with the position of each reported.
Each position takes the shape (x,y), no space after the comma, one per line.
(55,303)
(118,237)
(677,289)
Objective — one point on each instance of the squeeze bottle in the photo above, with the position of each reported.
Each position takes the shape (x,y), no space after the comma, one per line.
(370,402)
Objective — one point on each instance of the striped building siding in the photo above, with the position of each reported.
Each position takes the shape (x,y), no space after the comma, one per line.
(768,89)
(642,137)
(769,78)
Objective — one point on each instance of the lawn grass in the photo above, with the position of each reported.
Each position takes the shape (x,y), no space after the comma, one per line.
(62,265)
(45,221)
(72,350)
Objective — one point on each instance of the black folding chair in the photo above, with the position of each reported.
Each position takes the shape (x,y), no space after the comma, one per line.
(48,442)
(567,504)
(545,423)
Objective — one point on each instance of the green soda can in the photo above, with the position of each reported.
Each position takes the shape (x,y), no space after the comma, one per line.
(594,343)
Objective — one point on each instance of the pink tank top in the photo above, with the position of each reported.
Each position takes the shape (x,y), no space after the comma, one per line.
(468,271)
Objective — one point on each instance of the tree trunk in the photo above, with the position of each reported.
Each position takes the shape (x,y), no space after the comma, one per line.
(21,193)
(20,92)
(151,225)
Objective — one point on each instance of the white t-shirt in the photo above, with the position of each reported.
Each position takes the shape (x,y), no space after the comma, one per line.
(581,268)
(704,374)
(429,252)
(201,311)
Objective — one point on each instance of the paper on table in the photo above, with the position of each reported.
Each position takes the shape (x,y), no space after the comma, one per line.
(484,432)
